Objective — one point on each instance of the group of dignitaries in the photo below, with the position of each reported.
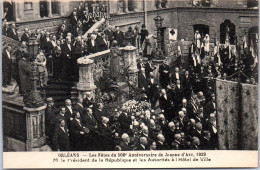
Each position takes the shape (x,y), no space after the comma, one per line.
(58,52)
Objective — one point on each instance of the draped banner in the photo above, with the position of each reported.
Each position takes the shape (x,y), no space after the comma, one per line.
(249,117)
(227,114)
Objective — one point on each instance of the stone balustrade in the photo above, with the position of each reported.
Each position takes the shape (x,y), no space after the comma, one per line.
(93,66)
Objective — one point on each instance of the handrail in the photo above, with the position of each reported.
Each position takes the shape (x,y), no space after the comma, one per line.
(94,27)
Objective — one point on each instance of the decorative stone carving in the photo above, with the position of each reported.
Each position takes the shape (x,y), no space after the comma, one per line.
(35,126)
(86,80)
(129,53)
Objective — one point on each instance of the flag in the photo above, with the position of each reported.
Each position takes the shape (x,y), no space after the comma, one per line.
(252,50)
(249,127)
(193,102)
(245,42)
(227,114)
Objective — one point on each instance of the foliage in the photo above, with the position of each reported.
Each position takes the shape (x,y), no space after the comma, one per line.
(104,84)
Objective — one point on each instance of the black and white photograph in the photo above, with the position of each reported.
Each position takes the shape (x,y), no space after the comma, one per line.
(112,76)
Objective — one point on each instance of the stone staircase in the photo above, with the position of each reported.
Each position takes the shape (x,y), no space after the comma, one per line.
(59,91)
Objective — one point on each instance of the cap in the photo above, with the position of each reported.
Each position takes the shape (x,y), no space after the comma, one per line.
(143,25)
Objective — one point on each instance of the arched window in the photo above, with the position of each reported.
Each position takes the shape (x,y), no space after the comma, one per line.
(203,29)
(227,30)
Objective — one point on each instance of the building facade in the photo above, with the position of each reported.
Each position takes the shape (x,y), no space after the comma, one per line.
(184,16)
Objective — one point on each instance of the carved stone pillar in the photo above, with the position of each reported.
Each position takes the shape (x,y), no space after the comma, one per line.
(49,8)
(137,5)
(86,80)
(35,126)
(129,53)
(126,6)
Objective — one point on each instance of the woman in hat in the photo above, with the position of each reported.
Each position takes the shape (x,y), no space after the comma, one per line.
(114,61)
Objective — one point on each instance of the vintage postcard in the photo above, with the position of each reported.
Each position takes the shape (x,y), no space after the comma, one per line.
(130,83)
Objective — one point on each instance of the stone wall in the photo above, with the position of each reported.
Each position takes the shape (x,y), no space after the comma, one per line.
(51,25)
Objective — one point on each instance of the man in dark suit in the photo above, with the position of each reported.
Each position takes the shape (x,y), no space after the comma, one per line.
(163,123)
(106,135)
(124,144)
(210,106)
(25,71)
(170,132)
(165,104)
(195,145)
(178,91)
(57,59)
(206,142)
(78,107)
(142,80)
(142,145)
(12,32)
(61,137)
(140,64)
(198,132)
(152,91)
(77,133)
(160,145)
(211,126)
(67,52)
(164,71)
(144,33)
(182,119)
(98,113)
(187,85)
(69,110)
(74,19)
(88,101)
(176,75)
(119,37)
(124,122)
(50,114)
(110,35)
(25,37)
(7,66)
(148,68)
(176,144)
(92,44)
(91,123)
(89,119)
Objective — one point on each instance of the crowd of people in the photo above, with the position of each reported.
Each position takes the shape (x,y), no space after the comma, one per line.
(181,114)
(58,52)
(182,110)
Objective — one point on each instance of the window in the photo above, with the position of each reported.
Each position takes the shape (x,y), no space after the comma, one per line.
(253,37)
(203,29)
(55,7)
(252,4)
(8,11)
(205,3)
(28,6)
(227,31)
(43,9)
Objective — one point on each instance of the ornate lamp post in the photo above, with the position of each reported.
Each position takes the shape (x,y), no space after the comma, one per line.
(35,107)
(33,99)
(158,24)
